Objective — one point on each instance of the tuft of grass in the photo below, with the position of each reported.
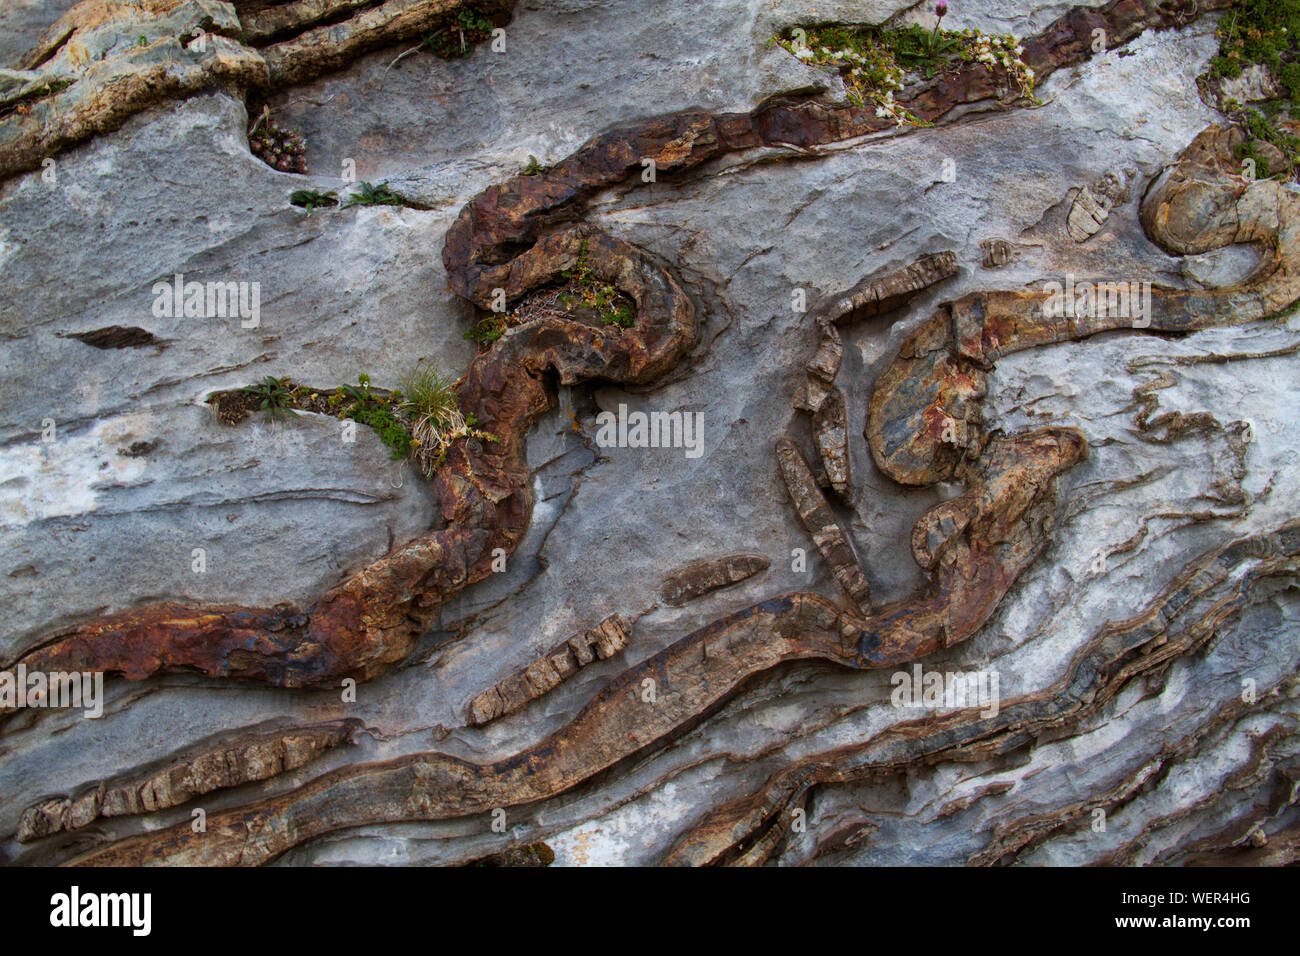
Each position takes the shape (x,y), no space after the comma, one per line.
(429,402)
(427,395)
(275,398)
(370,195)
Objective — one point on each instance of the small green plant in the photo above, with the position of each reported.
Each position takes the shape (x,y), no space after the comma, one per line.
(924,50)
(274,398)
(142,40)
(311,199)
(488,329)
(624,316)
(458,38)
(534,167)
(586,288)
(370,195)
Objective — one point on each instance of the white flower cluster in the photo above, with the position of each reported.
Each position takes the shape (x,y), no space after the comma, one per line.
(887,106)
(857,69)
(873,80)
(1005,51)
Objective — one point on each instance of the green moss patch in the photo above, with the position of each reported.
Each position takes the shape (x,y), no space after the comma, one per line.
(1263,33)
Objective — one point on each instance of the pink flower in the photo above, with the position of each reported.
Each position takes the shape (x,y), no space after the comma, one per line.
(941,8)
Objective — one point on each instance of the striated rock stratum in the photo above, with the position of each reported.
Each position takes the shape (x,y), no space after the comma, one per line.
(650,433)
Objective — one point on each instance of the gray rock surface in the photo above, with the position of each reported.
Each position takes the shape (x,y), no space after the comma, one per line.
(23,21)
(87,525)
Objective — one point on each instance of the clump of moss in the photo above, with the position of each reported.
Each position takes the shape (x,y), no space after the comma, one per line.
(875,63)
(535,854)
(1250,150)
(361,404)
(488,329)
(22,102)
(1264,32)
(1263,132)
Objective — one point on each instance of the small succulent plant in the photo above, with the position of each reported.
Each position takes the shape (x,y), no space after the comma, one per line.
(279,148)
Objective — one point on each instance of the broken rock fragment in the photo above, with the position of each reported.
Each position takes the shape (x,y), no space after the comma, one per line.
(698,579)
(820,522)
(831,432)
(550,670)
(1091,207)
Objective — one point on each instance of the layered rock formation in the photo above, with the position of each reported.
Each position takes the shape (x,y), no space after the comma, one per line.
(1097,494)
